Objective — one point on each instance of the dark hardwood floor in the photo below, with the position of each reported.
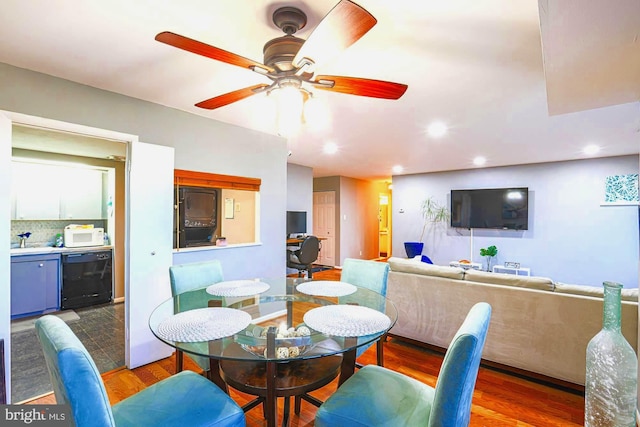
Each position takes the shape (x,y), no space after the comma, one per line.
(500,398)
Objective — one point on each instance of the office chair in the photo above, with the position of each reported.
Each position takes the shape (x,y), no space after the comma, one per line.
(377,396)
(184,399)
(187,277)
(303,258)
(371,275)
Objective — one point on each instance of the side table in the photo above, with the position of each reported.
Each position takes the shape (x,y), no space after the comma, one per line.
(522,271)
(466,266)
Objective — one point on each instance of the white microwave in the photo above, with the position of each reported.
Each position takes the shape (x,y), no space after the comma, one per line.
(79,237)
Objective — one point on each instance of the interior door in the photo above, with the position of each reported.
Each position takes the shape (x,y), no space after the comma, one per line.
(5,243)
(149,247)
(324,220)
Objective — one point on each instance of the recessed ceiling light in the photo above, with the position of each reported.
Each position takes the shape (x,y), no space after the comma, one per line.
(590,150)
(397,169)
(479,161)
(330,148)
(437,129)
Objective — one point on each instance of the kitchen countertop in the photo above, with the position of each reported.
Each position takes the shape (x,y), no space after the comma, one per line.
(44,250)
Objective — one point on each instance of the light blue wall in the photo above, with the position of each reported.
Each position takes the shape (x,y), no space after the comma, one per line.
(200,144)
(300,191)
(571,237)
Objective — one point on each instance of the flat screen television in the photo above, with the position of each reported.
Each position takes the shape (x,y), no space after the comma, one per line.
(496,208)
(296,222)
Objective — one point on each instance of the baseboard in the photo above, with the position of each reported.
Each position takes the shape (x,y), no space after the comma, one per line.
(118,300)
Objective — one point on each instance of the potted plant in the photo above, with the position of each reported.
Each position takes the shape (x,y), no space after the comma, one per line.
(488,254)
(432,214)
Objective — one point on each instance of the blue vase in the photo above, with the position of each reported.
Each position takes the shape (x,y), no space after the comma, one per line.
(413,249)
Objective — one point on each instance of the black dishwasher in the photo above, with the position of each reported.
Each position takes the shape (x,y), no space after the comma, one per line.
(86,279)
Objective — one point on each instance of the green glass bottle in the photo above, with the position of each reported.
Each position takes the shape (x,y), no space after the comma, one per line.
(612,370)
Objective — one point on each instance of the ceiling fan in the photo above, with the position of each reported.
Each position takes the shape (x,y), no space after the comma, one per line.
(290,61)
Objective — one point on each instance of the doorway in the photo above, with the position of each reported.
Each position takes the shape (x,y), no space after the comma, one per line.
(146,233)
(99,327)
(324,225)
(384,226)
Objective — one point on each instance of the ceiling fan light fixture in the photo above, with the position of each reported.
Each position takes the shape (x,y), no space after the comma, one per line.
(290,103)
(316,114)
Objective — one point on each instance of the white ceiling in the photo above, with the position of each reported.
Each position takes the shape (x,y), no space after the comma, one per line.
(516,81)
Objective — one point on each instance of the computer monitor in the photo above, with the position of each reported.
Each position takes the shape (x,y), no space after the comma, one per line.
(296,223)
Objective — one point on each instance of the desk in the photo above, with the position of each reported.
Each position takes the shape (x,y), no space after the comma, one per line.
(281,303)
(296,241)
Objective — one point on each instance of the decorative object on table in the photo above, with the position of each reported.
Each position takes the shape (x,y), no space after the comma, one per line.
(326,288)
(433,215)
(23,239)
(488,254)
(345,320)
(612,369)
(290,342)
(238,288)
(511,264)
(204,324)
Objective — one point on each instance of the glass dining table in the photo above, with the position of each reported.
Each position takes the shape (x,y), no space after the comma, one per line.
(265,336)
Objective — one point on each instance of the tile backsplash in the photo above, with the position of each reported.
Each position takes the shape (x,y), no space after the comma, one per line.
(43,233)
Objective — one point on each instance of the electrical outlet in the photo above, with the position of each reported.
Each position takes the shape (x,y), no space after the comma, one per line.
(360,253)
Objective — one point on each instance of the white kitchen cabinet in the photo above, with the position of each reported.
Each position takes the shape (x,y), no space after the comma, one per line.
(82,197)
(47,192)
(37,191)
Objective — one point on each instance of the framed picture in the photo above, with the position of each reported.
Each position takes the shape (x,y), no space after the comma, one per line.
(621,190)
(510,264)
(229,204)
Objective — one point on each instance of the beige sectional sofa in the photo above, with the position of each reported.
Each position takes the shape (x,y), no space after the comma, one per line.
(537,325)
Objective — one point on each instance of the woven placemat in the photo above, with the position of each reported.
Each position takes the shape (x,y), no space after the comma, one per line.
(326,288)
(346,320)
(203,324)
(238,288)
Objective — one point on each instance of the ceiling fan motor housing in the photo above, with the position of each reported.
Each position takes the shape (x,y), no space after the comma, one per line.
(279,52)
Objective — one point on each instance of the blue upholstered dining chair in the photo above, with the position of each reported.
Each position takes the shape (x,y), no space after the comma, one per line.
(187,277)
(376,396)
(184,399)
(371,275)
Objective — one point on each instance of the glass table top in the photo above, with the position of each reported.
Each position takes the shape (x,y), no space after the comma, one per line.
(282,322)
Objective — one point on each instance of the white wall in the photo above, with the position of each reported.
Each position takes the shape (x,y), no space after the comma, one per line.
(299,196)
(200,144)
(571,238)
(300,191)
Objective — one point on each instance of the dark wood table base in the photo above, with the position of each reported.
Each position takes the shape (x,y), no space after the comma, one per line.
(295,378)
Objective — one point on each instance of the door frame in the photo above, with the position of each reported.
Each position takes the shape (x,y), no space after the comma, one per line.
(57,125)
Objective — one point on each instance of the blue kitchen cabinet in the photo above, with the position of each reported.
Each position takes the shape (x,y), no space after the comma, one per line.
(35,284)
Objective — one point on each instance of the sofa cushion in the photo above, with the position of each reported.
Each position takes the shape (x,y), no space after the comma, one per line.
(541,283)
(628,294)
(404,265)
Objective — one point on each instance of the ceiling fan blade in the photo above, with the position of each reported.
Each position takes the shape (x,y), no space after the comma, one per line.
(194,46)
(228,98)
(360,87)
(339,29)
